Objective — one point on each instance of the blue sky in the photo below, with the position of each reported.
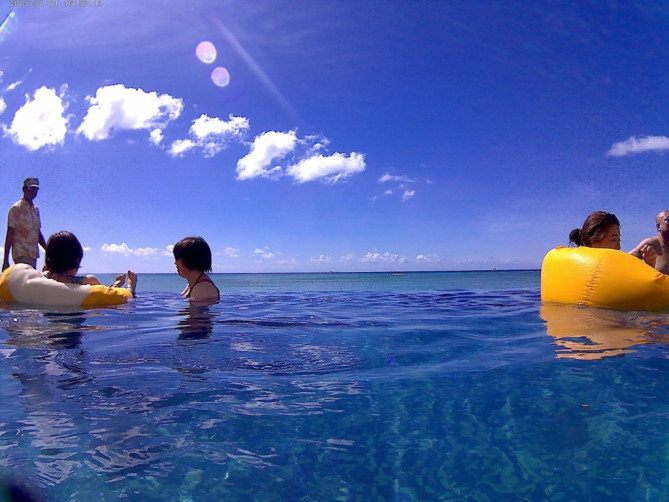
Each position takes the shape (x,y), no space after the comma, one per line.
(350,135)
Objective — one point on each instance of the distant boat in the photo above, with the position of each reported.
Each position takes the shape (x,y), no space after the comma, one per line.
(494,268)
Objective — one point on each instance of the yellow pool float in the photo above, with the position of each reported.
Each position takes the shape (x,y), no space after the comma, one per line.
(605,278)
(21,283)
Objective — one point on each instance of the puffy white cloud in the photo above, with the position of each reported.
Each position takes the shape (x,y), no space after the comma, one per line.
(387,258)
(127,251)
(181,146)
(330,169)
(211,134)
(3,106)
(307,164)
(40,122)
(207,126)
(347,258)
(639,145)
(156,136)
(266,148)
(398,179)
(117,107)
(408,194)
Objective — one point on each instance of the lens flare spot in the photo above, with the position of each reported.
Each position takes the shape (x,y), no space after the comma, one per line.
(220,76)
(206,52)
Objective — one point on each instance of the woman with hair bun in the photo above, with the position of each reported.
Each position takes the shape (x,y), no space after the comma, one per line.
(602,230)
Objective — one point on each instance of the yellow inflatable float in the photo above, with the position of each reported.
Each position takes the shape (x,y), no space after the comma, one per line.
(23,284)
(607,278)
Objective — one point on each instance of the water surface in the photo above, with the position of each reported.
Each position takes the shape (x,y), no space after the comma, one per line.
(446,386)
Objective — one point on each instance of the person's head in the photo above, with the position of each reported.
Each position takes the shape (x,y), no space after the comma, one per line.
(662,223)
(30,188)
(600,230)
(194,253)
(63,252)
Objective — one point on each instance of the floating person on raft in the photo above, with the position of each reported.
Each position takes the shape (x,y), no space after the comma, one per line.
(59,285)
(598,274)
(659,243)
(602,230)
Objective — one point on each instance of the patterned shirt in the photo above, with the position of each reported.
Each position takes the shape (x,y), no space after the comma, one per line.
(24,219)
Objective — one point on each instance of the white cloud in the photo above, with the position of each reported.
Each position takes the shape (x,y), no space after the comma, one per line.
(639,145)
(3,106)
(125,250)
(347,258)
(399,179)
(266,148)
(317,143)
(212,135)
(387,258)
(13,85)
(180,146)
(323,259)
(408,194)
(264,253)
(39,122)
(156,136)
(421,258)
(231,252)
(330,169)
(307,164)
(116,107)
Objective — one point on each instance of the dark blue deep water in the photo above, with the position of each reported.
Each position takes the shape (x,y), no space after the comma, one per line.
(337,387)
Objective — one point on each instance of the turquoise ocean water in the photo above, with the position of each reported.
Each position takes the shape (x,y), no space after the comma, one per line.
(323,387)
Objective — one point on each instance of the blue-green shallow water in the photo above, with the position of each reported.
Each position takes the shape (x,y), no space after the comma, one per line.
(337,387)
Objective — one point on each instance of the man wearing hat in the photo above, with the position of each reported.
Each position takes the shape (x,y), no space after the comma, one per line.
(24,228)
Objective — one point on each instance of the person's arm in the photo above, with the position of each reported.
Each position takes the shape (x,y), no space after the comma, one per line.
(646,251)
(90,279)
(637,250)
(9,242)
(41,241)
(118,282)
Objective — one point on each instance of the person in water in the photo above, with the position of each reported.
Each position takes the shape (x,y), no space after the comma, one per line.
(62,261)
(602,230)
(192,257)
(658,244)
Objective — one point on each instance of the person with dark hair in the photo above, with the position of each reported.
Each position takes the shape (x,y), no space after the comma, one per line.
(24,233)
(658,245)
(192,257)
(62,260)
(602,230)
